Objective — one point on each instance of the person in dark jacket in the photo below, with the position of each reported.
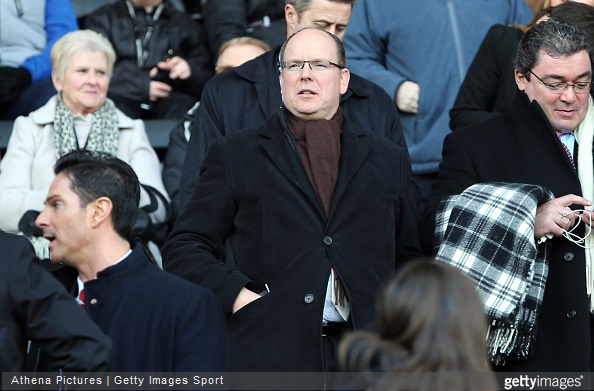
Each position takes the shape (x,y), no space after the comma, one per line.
(246,48)
(162,60)
(36,307)
(261,19)
(553,73)
(317,210)
(157,322)
(489,87)
(249,94)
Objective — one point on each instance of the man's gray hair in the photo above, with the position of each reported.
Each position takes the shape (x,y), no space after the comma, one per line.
(555,38)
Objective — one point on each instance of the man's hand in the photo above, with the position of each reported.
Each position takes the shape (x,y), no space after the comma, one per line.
(554,217)
(407,97)
(177,67)
(244,297)
(159,90)
(13,82)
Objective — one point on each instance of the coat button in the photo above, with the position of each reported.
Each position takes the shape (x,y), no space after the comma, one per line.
(568,256)
(328,240)
(309,298)
(93,301)
(571,314)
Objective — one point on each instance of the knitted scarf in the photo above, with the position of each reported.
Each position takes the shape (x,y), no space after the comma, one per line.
(584,137)
(488,233)
(103,137)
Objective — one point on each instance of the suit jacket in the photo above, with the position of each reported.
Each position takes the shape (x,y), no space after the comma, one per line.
(521,147)
(157,322)
(245,96)
(34,306)
(253,190)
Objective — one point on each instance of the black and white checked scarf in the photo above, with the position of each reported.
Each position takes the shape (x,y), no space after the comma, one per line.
(488,233)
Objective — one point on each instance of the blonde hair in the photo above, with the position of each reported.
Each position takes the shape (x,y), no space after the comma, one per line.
(238,41)
(86,41)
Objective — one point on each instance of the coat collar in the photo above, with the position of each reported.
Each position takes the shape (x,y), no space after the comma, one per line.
(46,114)
(279,146)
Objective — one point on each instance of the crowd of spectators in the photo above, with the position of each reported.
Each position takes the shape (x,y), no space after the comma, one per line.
(317,147)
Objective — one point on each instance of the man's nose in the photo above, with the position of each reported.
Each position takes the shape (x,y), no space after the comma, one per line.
(41,220)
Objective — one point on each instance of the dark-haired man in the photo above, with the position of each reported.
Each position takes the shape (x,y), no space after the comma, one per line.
(157,322)
(545,141)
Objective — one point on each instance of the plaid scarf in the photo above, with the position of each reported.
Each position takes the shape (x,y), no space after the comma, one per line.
(488,233)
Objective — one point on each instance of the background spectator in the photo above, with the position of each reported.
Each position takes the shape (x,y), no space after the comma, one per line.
(162,60)
(28,31)
(261,19)
(388,43)
(79,117)
(248,48)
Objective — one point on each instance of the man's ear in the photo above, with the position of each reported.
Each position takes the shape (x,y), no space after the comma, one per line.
(520,80)
(291,17)
(100,211)
(345,77)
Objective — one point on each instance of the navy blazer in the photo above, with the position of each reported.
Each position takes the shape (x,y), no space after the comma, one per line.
(157,322)
(254,191)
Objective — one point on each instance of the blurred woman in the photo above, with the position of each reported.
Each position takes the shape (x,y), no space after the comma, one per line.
(432,330)
(79,117)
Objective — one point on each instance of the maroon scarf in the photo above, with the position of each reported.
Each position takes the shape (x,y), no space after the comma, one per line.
(318,145)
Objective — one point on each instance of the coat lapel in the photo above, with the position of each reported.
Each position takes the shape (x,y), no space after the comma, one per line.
(354,149)
(353,152)
(279,148)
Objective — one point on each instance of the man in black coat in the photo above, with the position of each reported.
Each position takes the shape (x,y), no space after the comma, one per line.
(553,71)
(162,60)
(245,96)
(317,211)
(157,322)
(36,307)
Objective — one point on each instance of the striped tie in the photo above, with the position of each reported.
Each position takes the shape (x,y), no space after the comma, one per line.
(571,138)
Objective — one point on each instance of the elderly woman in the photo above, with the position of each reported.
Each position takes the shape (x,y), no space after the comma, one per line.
(79,116)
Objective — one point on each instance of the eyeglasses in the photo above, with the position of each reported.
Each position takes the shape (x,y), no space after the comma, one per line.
(560,87)
(314,65)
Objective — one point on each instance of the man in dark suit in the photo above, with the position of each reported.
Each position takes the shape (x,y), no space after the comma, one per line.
(245,96)
(36,307)
(317,211)
(157,322)
(553,71)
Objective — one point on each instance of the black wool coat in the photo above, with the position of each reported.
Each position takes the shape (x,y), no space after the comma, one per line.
(253,190)
(521,147)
